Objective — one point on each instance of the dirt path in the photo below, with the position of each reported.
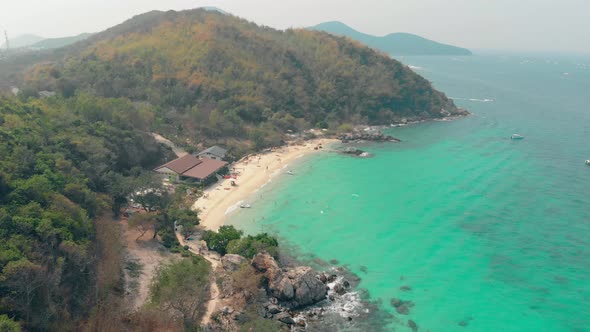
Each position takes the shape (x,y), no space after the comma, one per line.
(142,259)
(214,259)
(161,139)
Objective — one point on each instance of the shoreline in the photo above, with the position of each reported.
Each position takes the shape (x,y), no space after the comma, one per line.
(253,172)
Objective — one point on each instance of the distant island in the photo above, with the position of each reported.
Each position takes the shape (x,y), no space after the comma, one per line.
(51,43)
(22,41)
(34,42)
(394,43)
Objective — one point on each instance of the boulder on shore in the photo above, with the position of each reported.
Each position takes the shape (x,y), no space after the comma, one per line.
(295,288)
(366,135)
(231,262)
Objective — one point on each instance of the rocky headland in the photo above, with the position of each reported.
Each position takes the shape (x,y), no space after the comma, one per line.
(368,134)
(298,298)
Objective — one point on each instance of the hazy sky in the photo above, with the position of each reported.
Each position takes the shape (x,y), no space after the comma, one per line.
(529,25)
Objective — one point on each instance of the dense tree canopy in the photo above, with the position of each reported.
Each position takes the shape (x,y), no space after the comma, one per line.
(250,245)
(208,75)
(63,163)
(219,240)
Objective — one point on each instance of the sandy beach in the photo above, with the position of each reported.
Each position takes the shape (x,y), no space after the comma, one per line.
(254,171)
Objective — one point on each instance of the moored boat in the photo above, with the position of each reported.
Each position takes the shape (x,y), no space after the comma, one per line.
(516,136)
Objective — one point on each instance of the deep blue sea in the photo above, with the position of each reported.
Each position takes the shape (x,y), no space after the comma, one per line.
(490,234)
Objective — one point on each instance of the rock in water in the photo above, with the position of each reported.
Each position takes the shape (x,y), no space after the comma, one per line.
(396,302)
(339,289)
(402,309)
(413,325)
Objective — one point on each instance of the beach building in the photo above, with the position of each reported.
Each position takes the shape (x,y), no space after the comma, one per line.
(192,169)
(215,152)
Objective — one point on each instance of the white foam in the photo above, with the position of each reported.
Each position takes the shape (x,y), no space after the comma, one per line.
(415,67)
(233,207)
(485,100)
(262,186)
(346,305)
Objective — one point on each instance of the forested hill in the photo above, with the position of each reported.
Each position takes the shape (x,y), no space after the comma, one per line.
(398,43)
(64,165)
(213,75)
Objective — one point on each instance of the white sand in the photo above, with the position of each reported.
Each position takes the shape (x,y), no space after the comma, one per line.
(254,172)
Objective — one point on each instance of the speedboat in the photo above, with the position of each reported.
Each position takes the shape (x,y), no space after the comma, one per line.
(290,173)
(588,162)
(516,136)
(245,206)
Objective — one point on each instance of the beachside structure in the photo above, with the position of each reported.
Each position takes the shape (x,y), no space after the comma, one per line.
(214,152)
(192,169)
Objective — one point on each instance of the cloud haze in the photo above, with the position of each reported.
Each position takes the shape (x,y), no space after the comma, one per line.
(528,25)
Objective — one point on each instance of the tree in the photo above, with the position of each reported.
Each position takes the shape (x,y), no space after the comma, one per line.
(218,241)
(187,220)
(8,325)
(249,246)
(183,288)
(22,281)
(143,222)
(4,188)
(152,200)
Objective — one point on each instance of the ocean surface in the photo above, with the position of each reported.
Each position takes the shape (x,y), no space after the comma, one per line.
(490,234)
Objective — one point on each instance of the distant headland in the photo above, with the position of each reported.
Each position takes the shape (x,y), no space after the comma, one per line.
(394,43)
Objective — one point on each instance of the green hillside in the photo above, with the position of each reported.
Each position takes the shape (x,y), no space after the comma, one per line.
(395,43)
(66,165)
(214,76)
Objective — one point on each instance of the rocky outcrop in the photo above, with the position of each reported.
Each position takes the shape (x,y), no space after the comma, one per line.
(295,287)
(232,263)
(308,287)
(356,152)
(368,134)
(402,307)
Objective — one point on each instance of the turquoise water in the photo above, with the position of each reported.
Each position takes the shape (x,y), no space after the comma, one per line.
(487,231)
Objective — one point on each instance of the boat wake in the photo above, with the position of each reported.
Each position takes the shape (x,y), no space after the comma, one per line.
(233,207)
(486,100)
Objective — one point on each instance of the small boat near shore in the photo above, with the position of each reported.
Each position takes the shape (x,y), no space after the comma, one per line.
(245,206)
(516,136)
(290,172)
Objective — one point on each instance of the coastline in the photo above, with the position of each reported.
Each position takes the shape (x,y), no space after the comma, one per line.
(254,171)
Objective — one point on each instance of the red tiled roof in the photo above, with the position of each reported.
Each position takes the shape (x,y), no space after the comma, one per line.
(205,169)
(182,164)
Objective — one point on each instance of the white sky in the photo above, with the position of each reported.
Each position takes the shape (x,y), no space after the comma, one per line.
(527,25)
